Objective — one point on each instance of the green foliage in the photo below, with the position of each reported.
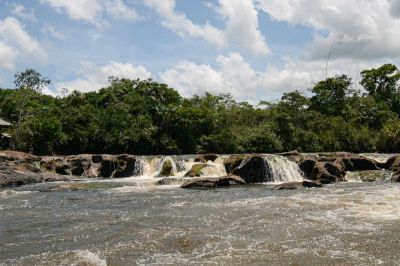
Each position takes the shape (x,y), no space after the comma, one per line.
(147,117)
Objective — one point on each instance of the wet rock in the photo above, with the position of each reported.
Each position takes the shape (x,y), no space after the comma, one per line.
(167,169)
(206,157)
(393,164)
(396,177)
(252,169)
(13,178)
(327,172)
(125,166)
(196,170)
(293,155)
(218,182)
(297,185)
(307,166)
(233,162)
(359,163)
(170,181)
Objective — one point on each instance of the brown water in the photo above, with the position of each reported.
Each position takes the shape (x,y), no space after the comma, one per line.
(342,224)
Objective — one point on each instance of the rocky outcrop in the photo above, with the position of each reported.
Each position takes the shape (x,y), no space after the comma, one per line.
(218,182)
(251,168)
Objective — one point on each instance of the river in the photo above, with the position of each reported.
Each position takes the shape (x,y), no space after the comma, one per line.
(351,223)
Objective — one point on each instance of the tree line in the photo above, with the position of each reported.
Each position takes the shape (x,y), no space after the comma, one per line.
(148,117)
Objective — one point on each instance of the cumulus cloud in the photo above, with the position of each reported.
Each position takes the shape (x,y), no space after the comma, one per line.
(367,29)
(180,24)
(7,56)
(242,25)
(92,11)
(85,10)
(241,30)
(234,75)
(92,78)
(15,43)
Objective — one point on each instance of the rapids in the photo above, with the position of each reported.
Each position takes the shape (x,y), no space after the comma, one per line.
(341,224)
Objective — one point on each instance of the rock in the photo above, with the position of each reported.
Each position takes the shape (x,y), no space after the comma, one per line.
(218,182)
(327,172)
(307,166)
(12,178)
(252,169)
(297,185)
(167,168)
(125,166)
(206,157)
(393,164)
(17,156)
(196,170)
(233,162)
(359,163)
(396,177)
(293,155)
(170,181)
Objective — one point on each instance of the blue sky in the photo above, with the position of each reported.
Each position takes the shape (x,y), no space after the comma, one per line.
(254,49)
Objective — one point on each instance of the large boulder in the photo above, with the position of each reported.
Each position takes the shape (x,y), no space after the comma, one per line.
(252,169)
(327,172)
(307,166)
(218,182)
(124,166)
(233,161)
(359,163)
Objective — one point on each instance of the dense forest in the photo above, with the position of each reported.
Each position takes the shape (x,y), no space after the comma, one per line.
(147,117)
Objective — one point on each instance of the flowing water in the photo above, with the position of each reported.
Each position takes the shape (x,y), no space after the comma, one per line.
(137,223)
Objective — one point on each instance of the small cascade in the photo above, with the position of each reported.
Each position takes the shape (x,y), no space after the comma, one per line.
(281,169)
(139,166)
(166,164)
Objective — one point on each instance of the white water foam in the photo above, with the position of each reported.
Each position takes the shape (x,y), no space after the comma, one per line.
(282,169)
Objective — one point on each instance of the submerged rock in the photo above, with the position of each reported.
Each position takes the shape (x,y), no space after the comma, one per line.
(297,185)
(218,182)
(196,170)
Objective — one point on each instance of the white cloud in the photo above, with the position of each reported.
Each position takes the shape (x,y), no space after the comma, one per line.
(85,10)
(192,79)
(369,32)
(7,56)
(21,12)
(92,78)
(236,76)
(181,25)
(120,11)
(17,43)
(92,11)
(242,25)
(49,29)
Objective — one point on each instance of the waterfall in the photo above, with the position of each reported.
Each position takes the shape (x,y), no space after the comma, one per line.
(281,169)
